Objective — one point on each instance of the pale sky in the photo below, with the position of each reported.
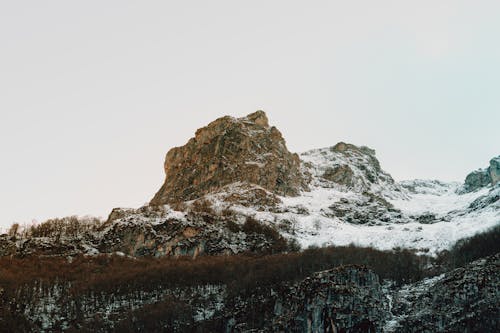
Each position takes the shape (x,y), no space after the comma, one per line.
(94,93)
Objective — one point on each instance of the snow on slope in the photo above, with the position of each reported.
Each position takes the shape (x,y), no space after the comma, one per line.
(430,196)
(316,229)
(351,200)
(364,172)
(370,209)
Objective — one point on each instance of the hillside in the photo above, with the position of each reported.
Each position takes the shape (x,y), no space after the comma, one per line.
(350,247)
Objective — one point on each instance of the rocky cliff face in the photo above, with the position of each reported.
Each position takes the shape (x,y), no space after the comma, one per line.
(226,151)
(494,170)
(464,300)
(483,177)
(345,299)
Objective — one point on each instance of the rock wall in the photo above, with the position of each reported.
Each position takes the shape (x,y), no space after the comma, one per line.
(226,151)
(344,299)
(483,177)
(464,300)
(494,170)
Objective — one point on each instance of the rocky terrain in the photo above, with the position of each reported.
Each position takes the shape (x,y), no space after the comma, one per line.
(235,189)
(463,300)
(348,298)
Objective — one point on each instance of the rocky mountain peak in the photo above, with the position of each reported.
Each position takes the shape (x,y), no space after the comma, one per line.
(230,150)
(259,118)
(343,147)
(348,165)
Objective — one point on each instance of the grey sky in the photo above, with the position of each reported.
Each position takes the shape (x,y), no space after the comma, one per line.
(94,93)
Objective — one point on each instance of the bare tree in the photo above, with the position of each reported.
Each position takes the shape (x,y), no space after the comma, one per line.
(14,230)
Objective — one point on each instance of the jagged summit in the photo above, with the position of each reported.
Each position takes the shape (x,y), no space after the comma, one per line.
(230,150)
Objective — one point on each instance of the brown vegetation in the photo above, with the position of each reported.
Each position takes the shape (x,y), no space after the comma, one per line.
(57,228)
(109,273)
(105,277)
(472,248)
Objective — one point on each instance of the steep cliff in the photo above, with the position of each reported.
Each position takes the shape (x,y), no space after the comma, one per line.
(483,177)
(466,299)
(345,299)
(230,150)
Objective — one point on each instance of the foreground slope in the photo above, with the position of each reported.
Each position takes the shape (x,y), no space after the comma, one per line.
(271,294)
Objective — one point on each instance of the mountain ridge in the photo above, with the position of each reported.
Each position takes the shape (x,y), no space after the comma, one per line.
(336,195)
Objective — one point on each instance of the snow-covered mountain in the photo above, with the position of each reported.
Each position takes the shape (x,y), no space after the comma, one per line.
(233,191)
(215,190)
(352,200)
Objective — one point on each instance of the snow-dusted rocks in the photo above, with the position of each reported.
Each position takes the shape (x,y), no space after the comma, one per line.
(463,300)
(348,167)
(322,302)
(371,209)
(198,230)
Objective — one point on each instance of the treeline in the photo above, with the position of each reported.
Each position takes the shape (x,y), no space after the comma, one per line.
(57,228)
(472,248)
(112,273)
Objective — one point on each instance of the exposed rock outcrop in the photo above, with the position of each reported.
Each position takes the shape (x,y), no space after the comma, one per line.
(344,299)
(494,170)
(355,168)
(226,151)
(476,180)
(464,300)
(483,177)
(193,233)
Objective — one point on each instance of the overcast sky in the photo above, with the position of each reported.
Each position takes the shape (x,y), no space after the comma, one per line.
(94,93)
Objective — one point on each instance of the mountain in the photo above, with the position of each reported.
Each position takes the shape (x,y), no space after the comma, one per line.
(324,240)
(239,169)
